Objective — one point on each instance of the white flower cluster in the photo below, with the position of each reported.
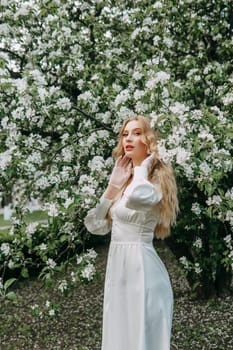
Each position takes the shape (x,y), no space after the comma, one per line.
(215,200)
(43,246)
(97,163)
(31,229)
(87,261)
(91,254)
(159,78)
(87,189)
(196,209)
(1,285)
(184,261)
(51,263)
(229,244)
(5,249)
(229,217)
(88,272)
(228,98)
(63,285)
(197,268)
(5,159)
(52,209)
(229,194)
(179,154)
(198,243)
(189,266)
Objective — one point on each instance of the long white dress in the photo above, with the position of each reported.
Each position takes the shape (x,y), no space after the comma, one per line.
(138,298)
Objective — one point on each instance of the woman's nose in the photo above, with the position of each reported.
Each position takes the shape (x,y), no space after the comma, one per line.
(129,137)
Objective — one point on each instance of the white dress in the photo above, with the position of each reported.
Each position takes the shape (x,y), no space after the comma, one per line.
(138,298)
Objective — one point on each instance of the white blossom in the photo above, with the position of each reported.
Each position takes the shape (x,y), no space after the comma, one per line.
(64,104)
(178,108)
(137,75)
(52,209)
(34,306)
(31,228)
(51,312)
(91,254)
(215,200)
(160,77)
(158,5)
(182,155)
(197,268)
(228,98)
(11,264)
(122,97)
(79,259)
(196,209)
(184,261)
(1,285)
(205,134)
(67,154)
(5,159)
(62,286)
(229,217)
(51,263)
(42,182)
(205,168)
(229,194)
(198,243)
(96,164)
(88,272)
(43,246)
(5,249)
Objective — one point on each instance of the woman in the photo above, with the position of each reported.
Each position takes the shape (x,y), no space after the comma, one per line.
(140,200)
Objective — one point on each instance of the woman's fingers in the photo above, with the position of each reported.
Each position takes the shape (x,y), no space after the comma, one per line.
(125,160)
(122,161)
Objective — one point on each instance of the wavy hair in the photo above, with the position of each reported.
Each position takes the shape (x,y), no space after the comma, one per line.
(161,173)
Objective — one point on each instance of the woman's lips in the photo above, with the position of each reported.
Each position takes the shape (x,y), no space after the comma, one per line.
(129,148)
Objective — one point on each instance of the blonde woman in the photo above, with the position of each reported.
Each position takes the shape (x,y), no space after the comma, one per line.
(139,202)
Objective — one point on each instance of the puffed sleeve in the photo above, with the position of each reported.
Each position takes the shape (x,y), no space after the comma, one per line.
(141,194)
(96,221)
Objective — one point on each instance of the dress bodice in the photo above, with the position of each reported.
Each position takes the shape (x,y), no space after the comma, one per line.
(132,225)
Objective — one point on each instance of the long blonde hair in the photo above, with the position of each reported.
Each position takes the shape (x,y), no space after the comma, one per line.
(161,172)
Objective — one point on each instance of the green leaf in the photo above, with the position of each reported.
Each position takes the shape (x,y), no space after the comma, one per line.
(9,282)
(11,296)
(24,272)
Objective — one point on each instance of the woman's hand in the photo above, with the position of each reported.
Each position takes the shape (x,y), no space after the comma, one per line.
(121,172)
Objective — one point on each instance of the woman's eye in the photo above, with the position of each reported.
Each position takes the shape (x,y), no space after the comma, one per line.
(137,133)
(124,135)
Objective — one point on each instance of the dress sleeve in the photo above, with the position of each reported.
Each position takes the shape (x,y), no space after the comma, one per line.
(141,194)
(96,221)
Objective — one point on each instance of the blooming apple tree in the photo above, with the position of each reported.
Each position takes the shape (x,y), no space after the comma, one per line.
(71,71)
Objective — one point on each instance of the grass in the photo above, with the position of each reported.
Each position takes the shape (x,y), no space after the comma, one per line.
(30,217)
(37,215)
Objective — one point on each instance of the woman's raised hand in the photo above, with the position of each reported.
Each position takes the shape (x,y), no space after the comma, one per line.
(121,172)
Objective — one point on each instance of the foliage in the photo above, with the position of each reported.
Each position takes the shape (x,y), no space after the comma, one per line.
(71,71)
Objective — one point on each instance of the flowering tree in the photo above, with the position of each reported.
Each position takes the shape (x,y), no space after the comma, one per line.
(71,71)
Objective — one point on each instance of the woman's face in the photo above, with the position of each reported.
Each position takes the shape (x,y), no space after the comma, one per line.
(133,145)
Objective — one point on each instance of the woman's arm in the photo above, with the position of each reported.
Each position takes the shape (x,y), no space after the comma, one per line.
(96,221)
(142,194)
